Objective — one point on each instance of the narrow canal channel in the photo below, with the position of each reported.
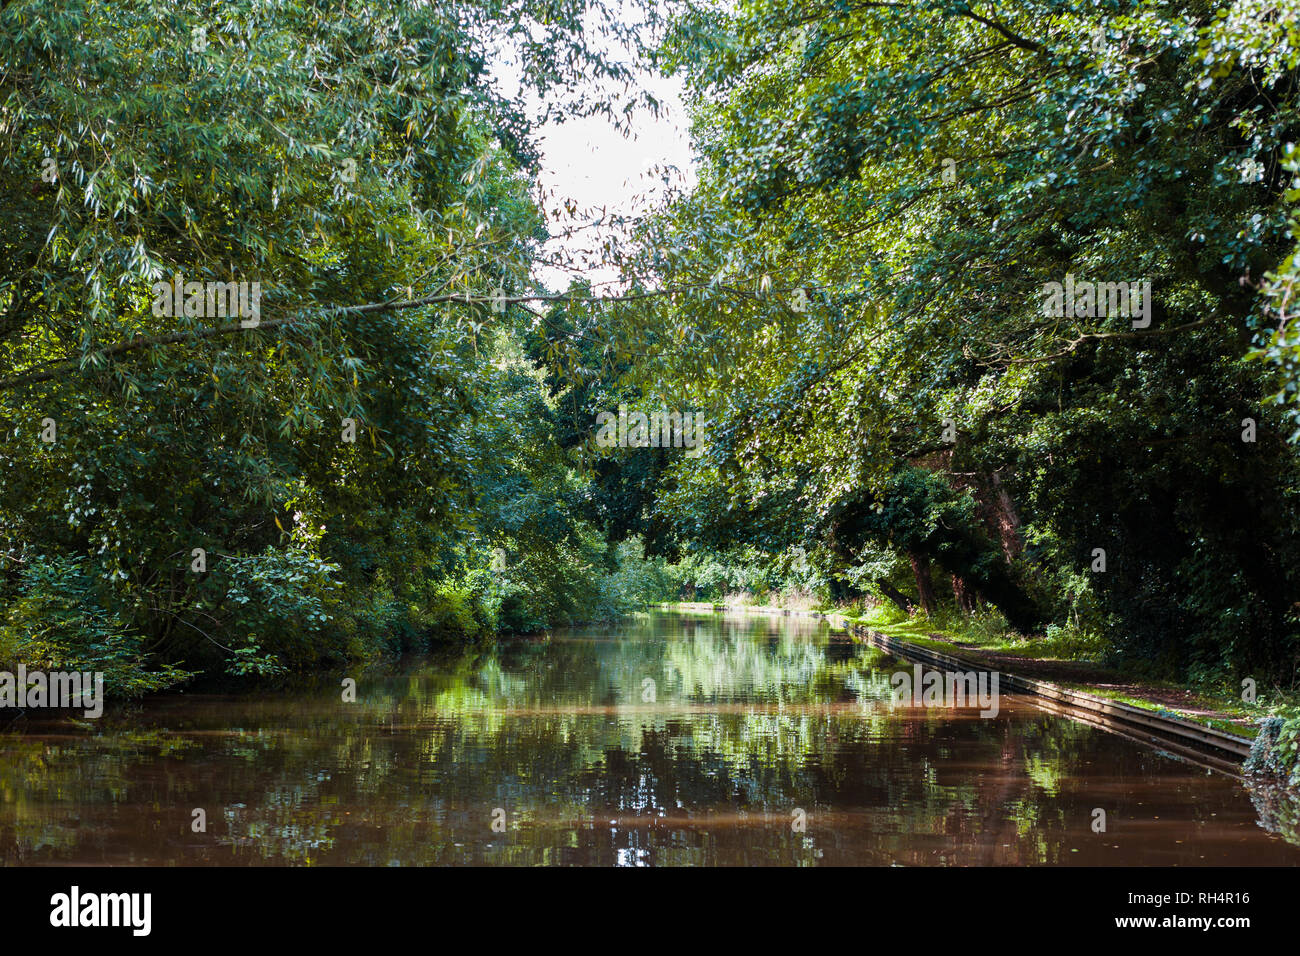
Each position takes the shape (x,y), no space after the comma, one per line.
(669,739)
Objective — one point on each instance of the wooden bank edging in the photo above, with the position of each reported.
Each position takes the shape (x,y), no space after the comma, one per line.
(1225,751)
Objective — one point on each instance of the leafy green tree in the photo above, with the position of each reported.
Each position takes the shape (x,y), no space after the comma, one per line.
(277,485)
(856,292)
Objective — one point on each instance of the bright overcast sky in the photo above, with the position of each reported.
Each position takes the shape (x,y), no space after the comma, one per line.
(590,162)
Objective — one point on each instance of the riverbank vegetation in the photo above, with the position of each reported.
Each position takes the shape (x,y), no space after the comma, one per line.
(401,449)
(883,196)
(343,471)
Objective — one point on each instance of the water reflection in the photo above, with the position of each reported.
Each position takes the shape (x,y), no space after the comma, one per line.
(669,740)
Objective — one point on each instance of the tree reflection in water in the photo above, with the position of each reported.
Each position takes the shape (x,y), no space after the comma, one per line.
(746,721)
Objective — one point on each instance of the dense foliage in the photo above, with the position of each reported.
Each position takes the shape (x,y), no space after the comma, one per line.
(336,472)
(402,444)
(855,291)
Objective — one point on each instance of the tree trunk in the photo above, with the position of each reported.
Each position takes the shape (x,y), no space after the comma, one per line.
(1008,522)
(963,594)
(924,586)
(896,596)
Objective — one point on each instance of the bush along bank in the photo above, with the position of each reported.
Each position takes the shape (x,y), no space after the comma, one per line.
(1275,753)
(297,617)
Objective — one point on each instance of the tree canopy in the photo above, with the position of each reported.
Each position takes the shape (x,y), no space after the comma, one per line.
(990,294)
(886,190)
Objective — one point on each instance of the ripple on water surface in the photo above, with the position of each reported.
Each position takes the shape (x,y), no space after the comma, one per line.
(672,739)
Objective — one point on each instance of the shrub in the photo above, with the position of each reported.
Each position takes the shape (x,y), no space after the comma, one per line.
(1276,750)
(64,619)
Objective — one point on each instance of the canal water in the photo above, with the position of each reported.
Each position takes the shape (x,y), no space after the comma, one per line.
(669,739)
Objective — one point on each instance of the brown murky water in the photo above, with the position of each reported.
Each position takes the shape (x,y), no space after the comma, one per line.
(668,740)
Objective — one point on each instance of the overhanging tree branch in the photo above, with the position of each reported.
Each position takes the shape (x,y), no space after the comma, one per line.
(31,376)
(194,335)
